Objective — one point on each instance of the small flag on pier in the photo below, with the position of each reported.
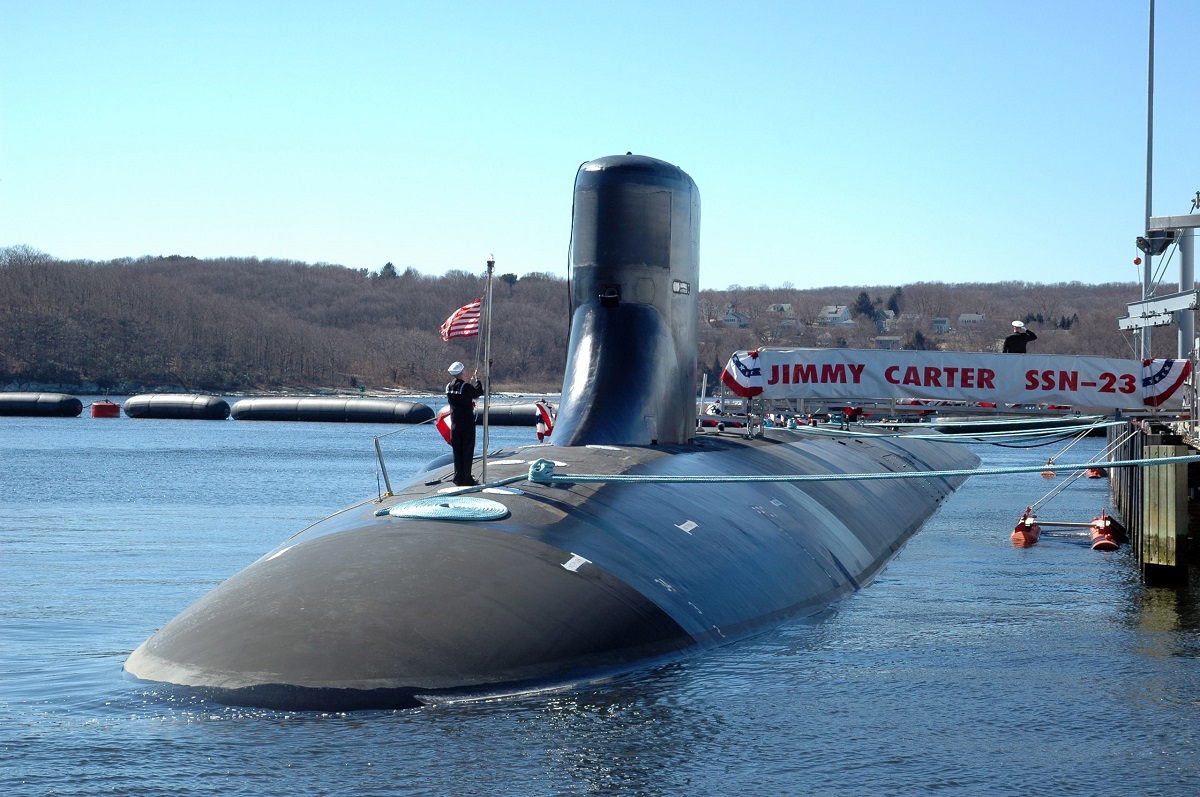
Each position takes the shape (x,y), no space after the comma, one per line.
(463,322)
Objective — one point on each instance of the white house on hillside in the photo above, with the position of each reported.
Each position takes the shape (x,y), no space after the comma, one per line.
(834,315)
(787,316)
(732,318)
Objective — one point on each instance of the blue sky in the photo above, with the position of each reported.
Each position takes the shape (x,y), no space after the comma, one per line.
(844,143)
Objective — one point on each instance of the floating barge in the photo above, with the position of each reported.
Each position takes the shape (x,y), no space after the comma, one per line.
(45,405)
(353,409)
(177,406)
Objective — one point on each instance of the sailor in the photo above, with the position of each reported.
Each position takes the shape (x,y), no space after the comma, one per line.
(461,397)
(1020,337)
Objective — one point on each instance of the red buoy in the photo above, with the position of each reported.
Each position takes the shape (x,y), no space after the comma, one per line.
(1106,533)
(1027,530)
(106,409)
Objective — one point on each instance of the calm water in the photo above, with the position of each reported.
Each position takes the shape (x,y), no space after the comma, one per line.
(968,667)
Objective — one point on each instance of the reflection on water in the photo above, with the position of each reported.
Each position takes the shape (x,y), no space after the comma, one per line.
(1168,618)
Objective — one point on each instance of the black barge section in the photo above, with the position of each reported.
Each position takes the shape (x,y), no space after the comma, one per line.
(177,406)
(49,405)
(346,410)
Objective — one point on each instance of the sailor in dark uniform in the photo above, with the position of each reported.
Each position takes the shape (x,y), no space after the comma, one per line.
(461,397)
(1020,337)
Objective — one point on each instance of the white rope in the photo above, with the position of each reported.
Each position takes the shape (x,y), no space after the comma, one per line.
(542,472)
(1098,460)
(961,437)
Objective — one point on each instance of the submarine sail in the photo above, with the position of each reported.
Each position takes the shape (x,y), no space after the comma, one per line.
(436,592)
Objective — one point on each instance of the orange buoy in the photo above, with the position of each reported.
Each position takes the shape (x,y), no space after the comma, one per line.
(1027,530)
(1107,534)
(1103,538)
(1048,473)
(106,409)
(1102,541)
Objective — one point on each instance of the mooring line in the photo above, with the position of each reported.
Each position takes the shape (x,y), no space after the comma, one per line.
(542,472)
(962,437)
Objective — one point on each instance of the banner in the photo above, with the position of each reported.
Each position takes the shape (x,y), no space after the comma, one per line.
(1086,384)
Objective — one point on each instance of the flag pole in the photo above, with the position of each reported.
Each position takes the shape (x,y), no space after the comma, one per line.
(487,363)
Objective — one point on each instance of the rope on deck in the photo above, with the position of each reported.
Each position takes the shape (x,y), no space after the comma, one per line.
(957,437)
(449,507)
(542,472)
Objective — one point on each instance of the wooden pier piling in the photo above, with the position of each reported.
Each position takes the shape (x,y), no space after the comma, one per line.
(1154,501)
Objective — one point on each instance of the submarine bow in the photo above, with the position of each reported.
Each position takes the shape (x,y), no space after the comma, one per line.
(418,597)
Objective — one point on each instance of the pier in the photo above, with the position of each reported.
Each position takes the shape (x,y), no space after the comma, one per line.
(1158,504)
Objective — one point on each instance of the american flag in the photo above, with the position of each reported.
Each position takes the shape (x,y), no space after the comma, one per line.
(463,322)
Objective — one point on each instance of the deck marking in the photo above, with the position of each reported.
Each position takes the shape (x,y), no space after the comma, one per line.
(687,526)
(575,562)
(280,553)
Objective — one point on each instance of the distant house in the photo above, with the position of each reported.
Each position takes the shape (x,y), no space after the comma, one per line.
(834,315)
(970,319)
(787,316)
(884,319)
(887,342)
(940,325)
(732,318)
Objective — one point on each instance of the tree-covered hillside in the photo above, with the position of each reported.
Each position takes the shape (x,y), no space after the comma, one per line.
(238,324)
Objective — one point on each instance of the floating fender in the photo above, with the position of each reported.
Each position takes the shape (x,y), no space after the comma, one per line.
(509,414)
(49,405)
(1027,530)
(178,406)
(346,410)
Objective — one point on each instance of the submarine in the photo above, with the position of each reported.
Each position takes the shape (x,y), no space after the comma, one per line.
(434,593)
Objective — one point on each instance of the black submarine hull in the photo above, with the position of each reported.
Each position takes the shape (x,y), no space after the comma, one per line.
(427,596)
(577,583)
